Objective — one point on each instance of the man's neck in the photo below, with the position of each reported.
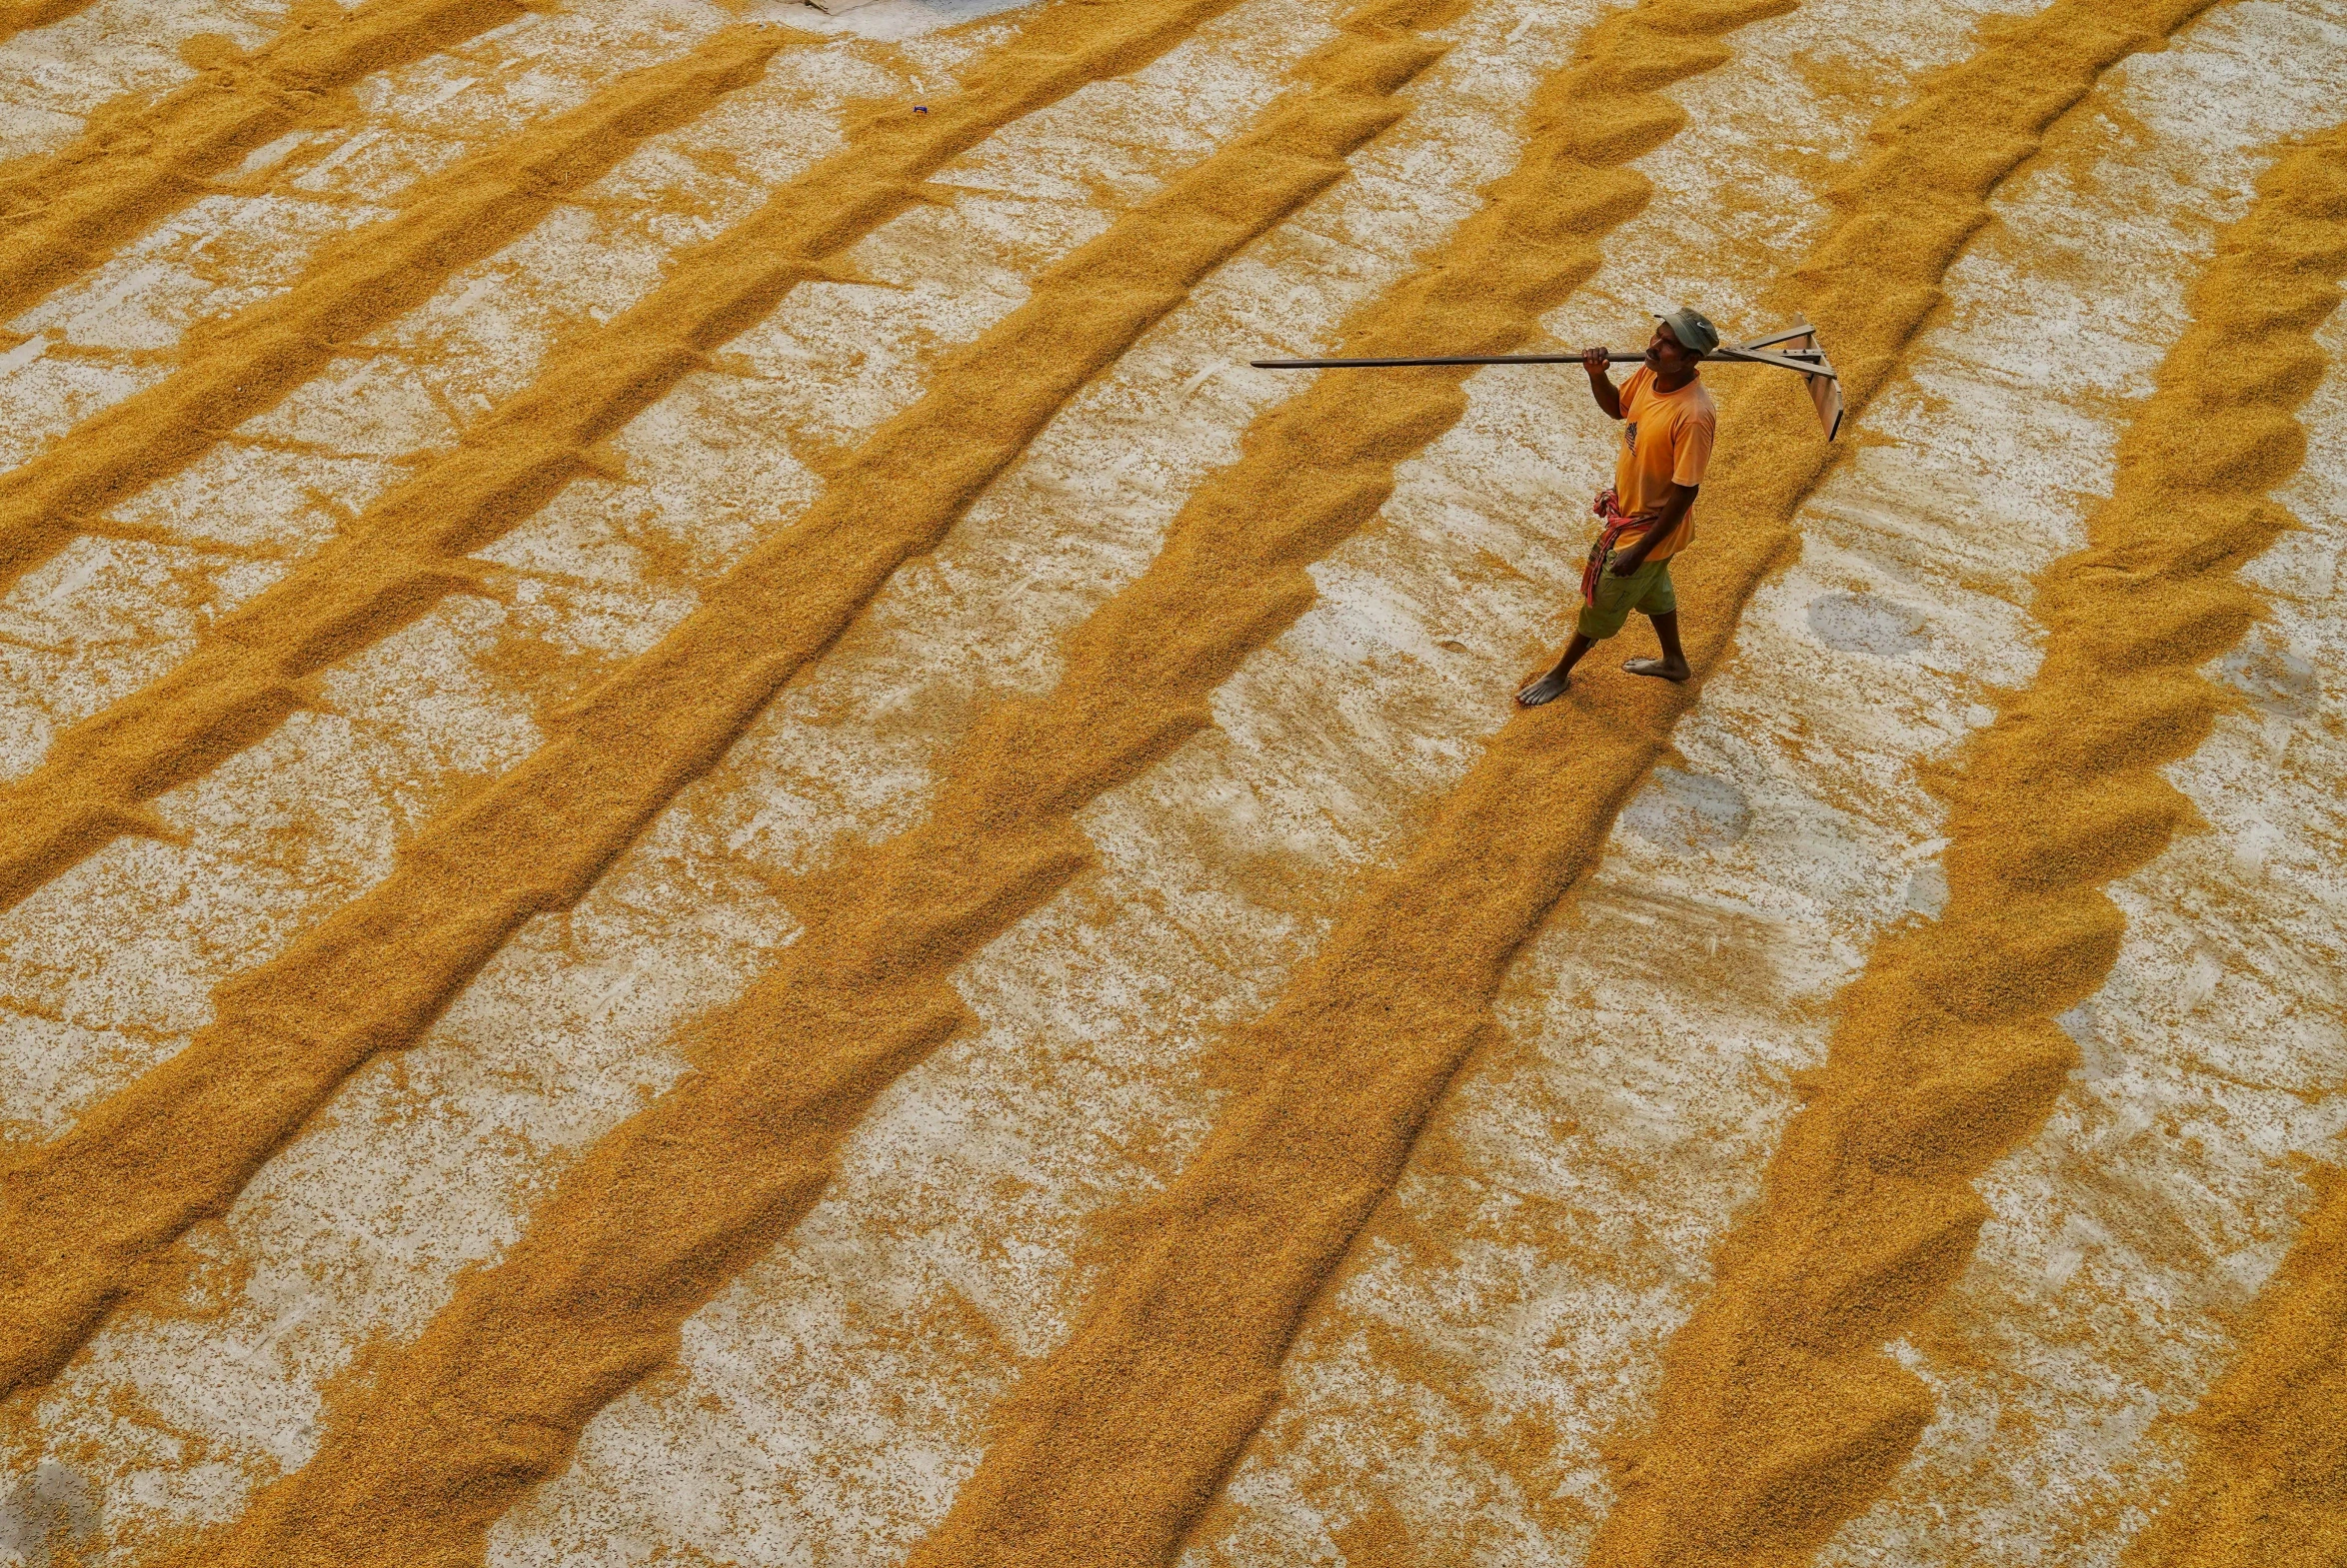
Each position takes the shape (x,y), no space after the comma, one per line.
(1667,384)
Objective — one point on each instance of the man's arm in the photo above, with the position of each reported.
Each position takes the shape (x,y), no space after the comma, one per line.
(1666,518)
(1601,385)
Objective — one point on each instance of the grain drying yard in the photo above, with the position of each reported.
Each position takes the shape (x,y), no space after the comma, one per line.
(718,849)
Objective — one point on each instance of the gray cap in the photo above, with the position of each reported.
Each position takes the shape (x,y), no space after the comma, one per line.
(1692,327)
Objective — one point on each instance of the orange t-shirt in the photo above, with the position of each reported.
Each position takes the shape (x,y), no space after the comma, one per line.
(1665,439)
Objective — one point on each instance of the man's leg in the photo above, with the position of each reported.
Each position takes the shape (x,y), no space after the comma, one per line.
(1598,622)
(1672,665)
(1551,685)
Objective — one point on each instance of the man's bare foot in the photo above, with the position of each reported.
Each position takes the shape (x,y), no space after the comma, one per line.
(1548,689)
(1659,669)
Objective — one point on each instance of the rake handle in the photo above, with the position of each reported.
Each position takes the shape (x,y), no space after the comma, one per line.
(1624,358)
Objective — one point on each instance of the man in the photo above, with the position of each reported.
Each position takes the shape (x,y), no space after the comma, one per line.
(1666,443)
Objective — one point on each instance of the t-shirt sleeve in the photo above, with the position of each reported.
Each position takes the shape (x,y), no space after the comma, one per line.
(1691,450)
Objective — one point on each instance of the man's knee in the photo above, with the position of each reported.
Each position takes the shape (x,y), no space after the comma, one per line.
(1597,623)
(1659,597)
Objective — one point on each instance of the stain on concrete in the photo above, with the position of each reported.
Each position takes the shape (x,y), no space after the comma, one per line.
(1927,891)
(1866,623)
(1688,811)
(2263,669)
(43,1515)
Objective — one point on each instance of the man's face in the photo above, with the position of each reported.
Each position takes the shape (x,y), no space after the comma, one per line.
(1665,355)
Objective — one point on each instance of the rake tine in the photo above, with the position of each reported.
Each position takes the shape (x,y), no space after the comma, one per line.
(1800,329)
(1808,363)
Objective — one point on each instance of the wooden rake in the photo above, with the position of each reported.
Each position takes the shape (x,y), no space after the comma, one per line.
(1794,349)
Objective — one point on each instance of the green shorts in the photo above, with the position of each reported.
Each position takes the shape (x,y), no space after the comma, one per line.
(1647,590)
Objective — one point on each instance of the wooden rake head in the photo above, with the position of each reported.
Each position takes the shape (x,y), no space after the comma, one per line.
(1795,348)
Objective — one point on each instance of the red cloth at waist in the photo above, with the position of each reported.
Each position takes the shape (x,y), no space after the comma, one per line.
(1607,505)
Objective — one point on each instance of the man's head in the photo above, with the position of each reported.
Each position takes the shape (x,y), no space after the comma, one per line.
(1680,341)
